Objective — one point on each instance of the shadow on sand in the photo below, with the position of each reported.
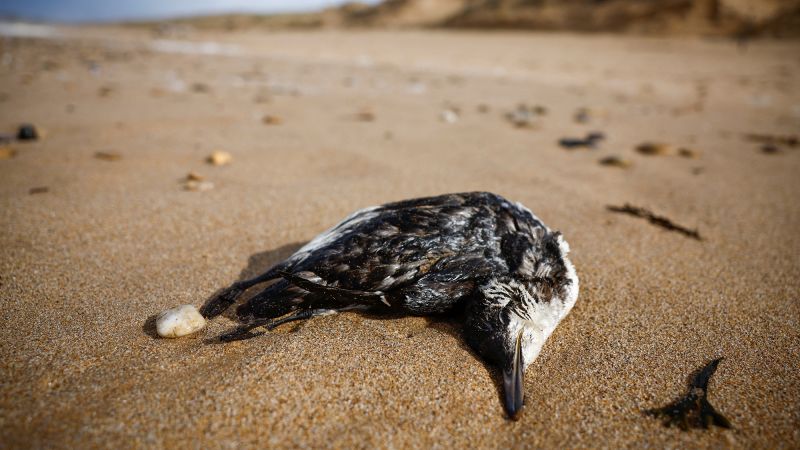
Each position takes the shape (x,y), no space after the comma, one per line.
(257,264)
(260,262)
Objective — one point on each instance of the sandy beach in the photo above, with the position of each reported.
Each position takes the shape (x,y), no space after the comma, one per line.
(360,120)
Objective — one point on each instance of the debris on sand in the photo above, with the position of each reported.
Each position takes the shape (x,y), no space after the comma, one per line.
(615,161)
(196,183)
(27,132)
(688,153)
(483,108)
(582,115)
(659,221)
(194,176)
(179,321)
(269,119)
(198,186)
(654,148)
(201,88)
(770,149)
(7,153)
(768,139)
(693,410)
(524,116)
(108,156)
(449,115)
(571,143)
(585,115)
(105,91)
(596,136)
(590,141)
(365,115)
(219,158)
(38,190)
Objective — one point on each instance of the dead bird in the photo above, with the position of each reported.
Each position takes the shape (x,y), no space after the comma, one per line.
(477,252)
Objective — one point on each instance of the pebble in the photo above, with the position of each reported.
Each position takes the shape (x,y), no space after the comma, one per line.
(654,148)
(196,182)
(582,115)
(201,88)
(219,158)
(194,176)
(523,116)
(586,115)
(7,153)
(449,116)
(179,321)
(615,161)
(27,132)
(271,120)
(366,116)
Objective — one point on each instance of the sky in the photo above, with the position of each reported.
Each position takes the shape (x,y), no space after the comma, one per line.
(109,10)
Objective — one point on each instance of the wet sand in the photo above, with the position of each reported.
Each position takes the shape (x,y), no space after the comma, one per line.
(85,266)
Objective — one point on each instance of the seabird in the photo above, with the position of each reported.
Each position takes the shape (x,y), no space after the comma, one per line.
(477,253)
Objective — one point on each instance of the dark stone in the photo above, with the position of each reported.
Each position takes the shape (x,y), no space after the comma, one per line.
(27,132)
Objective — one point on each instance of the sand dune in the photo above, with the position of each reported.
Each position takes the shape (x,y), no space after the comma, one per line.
(737,18)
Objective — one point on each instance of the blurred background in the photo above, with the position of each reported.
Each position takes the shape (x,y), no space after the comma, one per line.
(746,17)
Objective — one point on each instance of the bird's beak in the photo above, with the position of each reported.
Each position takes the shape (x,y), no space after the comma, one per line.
(512,382)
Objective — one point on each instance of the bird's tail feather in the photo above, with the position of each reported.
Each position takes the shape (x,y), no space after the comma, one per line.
(222,301)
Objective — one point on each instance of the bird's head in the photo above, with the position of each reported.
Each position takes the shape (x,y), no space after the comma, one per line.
(510,317)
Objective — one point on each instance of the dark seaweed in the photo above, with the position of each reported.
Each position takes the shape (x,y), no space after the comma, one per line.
(590,141)
(660,221)
(768,139)
(38,190)
(693,410)
(770,149)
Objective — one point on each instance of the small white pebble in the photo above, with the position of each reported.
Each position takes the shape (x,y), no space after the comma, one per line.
(179,321)
(449,116)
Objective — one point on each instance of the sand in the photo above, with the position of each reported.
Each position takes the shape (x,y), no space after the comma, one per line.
(85,266)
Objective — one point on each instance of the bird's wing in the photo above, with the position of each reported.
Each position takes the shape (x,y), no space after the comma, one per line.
(387,247)
(433,286)
(348,296)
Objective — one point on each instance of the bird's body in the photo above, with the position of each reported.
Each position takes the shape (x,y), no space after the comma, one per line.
(477,251)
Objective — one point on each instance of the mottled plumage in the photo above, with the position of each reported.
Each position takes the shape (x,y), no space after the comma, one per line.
(477,251)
